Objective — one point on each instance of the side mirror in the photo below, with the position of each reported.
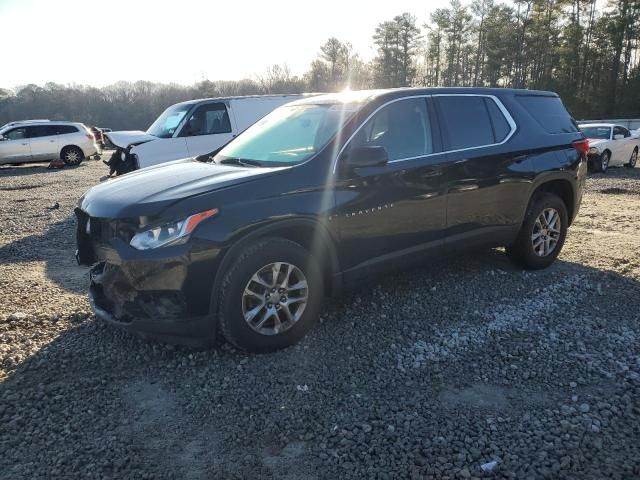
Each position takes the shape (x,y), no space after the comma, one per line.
(618,136)
(373,156)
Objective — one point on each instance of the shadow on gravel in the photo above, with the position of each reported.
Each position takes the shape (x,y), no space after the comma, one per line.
(617,172)
(56,247)
(31,169)
(98,401)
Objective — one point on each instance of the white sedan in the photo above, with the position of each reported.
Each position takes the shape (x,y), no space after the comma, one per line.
(610,145)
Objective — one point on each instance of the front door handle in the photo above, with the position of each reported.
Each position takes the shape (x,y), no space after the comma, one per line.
(25,144)
(432,173)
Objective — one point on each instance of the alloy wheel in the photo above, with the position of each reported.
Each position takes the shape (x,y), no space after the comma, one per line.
(72,157)
(546,232)
(275,298)
(604,162)
(634,159)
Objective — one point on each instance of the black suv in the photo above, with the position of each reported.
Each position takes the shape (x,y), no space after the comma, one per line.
(322,193)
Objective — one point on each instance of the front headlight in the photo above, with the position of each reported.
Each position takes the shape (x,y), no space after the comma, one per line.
(594,150)
(173,233)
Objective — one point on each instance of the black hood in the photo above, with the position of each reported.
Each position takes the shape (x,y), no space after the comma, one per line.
(149,191)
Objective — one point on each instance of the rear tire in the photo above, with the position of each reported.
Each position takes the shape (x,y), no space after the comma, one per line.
(633,160)
(531,250)
(260,310)
(72,156)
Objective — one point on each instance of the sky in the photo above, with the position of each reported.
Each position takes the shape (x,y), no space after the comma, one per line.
(184,41)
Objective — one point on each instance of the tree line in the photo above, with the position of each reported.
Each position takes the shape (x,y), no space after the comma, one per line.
(589,55)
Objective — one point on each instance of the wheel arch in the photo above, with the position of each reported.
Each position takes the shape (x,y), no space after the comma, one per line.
(308,233)
(72,145)
(562,187)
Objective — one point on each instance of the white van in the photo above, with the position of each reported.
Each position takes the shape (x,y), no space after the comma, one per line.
(190,129)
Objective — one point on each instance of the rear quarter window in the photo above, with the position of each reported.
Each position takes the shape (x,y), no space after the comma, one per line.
(62,129)
(500,125)
(549,112)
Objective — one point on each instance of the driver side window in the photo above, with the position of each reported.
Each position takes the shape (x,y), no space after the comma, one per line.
(16,134)
(402,127)
(209,119)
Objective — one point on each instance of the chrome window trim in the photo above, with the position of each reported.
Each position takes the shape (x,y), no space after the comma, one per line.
(512,125)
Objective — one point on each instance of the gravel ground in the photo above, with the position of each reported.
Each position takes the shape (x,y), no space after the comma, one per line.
(464,369)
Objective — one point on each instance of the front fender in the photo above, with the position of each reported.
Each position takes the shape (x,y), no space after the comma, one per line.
(294,229)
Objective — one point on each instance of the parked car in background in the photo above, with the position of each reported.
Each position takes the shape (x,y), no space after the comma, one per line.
(610,145)
(43,140)
(323,193)
(189,129)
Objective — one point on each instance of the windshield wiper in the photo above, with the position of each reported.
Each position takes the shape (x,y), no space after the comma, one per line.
(240,161)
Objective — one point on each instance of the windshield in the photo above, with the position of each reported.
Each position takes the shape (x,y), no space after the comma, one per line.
(165,125)
(603,133)
(289,134)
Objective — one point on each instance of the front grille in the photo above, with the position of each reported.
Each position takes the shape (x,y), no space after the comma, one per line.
(102,230)
(125,230)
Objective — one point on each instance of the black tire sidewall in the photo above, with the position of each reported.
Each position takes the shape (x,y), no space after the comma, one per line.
(231,320)
(602,166)
(523,249)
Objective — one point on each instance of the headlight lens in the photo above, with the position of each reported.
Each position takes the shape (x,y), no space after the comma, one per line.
(594,150)
(173,233)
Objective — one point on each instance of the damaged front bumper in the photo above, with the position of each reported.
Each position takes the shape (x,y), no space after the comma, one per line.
(162,294)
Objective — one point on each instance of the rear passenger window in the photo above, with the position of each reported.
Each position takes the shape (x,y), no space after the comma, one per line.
(549,112)
(62,129)
(40,131)
(466,121)
(500,125)
(401,127)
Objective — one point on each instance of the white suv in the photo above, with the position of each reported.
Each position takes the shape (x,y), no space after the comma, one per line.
(43,140)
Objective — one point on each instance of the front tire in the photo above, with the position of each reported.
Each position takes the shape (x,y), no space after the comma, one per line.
(603,164)
(271,296)
(633,160)
(72,156)
(542,234)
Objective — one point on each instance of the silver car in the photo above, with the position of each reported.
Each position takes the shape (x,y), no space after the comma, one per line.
(38,141)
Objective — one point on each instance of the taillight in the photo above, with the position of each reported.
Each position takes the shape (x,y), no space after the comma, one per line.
(582,146)
(91,137)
